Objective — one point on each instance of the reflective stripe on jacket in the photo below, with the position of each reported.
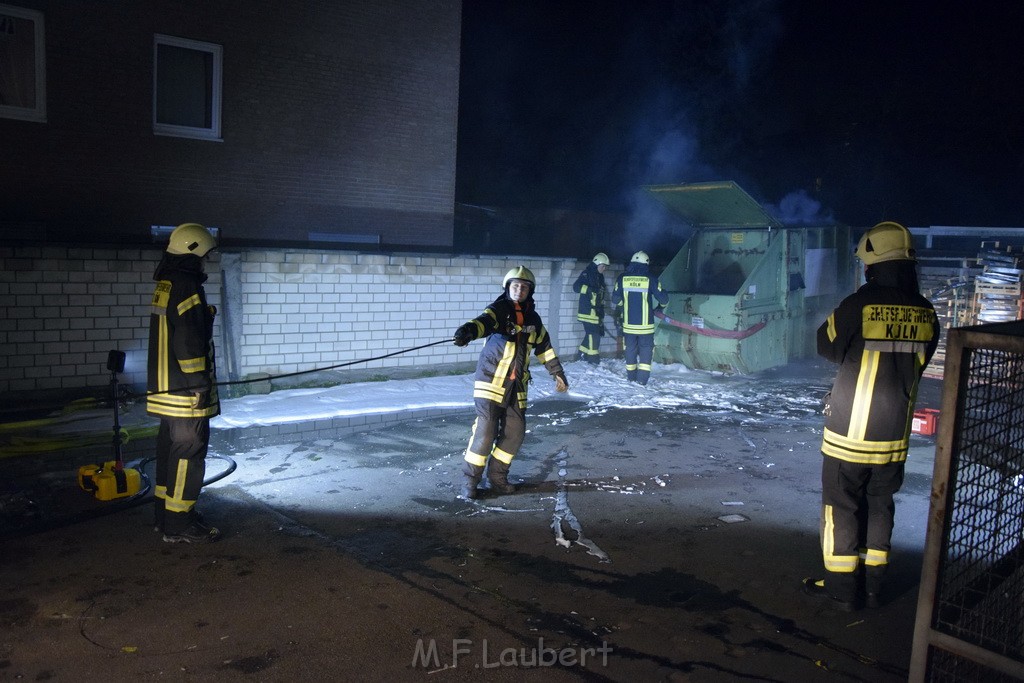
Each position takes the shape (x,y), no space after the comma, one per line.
(512,332)
(590,286)
(882,337)
(639,294)
(181,356)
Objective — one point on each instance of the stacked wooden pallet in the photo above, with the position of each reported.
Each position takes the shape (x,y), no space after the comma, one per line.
(997,290)
(948,288)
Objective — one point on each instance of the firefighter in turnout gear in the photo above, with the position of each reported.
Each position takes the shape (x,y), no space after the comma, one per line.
(591,288)
(181,383)
(512,329)
(636,296)
(882,337)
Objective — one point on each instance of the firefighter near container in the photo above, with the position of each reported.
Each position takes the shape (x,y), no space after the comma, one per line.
(636,297)
(590,287)
(882,337)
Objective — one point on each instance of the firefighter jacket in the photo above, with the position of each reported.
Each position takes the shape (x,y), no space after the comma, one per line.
(512,330)
(591,288)
(639,295)
(882,337)
(181,357)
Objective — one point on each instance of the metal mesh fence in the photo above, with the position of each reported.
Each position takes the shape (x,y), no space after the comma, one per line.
(980,586)
(947,667)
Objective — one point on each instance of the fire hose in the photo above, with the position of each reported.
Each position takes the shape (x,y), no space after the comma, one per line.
(716,334)
(141,496)
(22,445)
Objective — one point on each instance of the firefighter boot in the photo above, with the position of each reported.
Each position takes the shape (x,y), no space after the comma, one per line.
(497,474)
(159,512)
(874,576)
(471,477)
(839,590)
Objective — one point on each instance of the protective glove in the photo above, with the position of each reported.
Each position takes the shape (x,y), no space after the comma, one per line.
(463,335)
(561,384)
(826,409)
(200,400)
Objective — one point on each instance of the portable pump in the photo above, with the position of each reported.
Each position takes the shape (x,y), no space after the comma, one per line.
(112,480)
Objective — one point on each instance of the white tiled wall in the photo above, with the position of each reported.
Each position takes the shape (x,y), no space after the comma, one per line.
(65,308)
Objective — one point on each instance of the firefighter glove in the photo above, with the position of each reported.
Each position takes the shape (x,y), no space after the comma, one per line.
(561,384)
(463,335)
(200,400)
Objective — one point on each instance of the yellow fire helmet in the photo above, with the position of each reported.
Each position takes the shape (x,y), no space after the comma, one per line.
(887,241)
(601,258)
(520,273)
(640,257)
(191,238)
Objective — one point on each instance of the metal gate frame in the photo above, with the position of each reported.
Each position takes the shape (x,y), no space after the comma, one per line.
(970,611)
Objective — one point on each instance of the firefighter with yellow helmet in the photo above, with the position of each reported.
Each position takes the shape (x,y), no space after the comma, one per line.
(882,337)
(512,330)
(636,296)
(182,383)
(592,292)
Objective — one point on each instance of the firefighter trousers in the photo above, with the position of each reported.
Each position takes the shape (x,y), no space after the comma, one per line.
(858,513)
(639,354)
(498,432)
(590,347)
(181,447)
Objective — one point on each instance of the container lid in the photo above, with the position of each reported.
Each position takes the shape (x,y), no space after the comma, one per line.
(714,205)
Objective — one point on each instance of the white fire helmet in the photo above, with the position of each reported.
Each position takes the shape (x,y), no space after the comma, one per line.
(191,238)
(520,273)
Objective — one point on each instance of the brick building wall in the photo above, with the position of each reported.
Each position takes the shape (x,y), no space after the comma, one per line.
(279,311)
(337,117)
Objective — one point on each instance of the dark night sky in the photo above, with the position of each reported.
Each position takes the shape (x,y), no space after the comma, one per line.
(862,111)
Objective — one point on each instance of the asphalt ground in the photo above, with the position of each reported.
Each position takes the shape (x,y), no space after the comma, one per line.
(642,545)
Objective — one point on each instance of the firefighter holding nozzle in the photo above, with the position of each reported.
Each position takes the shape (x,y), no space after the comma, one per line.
(512,329)
(882,337)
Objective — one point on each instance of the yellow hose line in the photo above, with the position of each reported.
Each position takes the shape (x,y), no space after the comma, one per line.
(73,407)
(28,445)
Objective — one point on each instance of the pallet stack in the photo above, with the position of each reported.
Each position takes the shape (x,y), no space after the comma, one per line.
(949,290)
(984,290)
(997,290)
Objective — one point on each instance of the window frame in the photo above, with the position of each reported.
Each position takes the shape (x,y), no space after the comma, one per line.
(217,54)
(37,113)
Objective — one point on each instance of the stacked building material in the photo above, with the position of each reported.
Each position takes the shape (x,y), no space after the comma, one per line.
(997,289)
(947,284)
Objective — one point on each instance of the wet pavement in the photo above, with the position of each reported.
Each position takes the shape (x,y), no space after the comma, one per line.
(643,545)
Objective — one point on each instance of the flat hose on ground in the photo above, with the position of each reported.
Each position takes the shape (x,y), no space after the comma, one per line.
(140,498)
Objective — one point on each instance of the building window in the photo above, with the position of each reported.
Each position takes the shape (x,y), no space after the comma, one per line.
(22,64)
(186,88)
